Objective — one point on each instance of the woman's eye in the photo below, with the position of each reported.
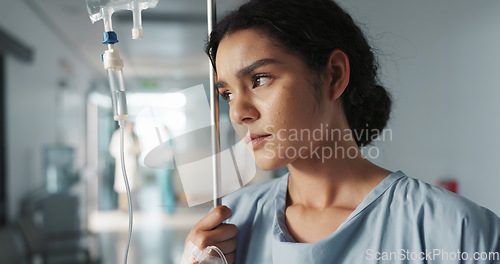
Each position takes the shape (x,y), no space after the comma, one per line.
(260,80)
(228,96)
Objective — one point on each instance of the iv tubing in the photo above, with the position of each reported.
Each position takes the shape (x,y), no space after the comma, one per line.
(113,65)
(221,254)
(214,112)
(127,187)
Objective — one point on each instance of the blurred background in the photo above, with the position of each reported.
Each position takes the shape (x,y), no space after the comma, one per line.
(59,202)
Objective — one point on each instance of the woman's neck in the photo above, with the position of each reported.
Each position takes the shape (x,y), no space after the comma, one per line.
(336,182)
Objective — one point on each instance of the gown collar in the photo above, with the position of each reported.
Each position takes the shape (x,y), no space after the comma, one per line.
(280,230)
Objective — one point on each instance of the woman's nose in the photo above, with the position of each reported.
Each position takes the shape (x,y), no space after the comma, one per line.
(242,111)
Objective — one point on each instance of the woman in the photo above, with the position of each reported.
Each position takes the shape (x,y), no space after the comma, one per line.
(301,77)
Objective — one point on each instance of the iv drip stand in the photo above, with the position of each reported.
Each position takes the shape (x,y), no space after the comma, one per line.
(214,113)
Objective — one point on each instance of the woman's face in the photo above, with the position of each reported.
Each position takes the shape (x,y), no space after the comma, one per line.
(271,93)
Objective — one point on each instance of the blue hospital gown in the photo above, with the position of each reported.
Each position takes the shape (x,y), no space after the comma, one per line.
(402,220)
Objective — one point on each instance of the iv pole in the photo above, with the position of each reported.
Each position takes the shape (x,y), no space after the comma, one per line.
(214,112)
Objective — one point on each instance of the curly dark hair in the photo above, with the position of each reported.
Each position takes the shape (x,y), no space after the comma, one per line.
(312,29)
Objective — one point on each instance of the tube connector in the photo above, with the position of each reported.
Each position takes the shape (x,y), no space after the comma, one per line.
(137,33)
(111,59)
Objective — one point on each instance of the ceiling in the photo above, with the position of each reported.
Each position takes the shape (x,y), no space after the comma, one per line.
(172,48)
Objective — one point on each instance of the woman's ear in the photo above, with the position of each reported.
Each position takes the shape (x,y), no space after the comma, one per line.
(337,73)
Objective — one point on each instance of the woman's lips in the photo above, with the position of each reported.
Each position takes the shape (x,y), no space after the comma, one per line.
(254,140)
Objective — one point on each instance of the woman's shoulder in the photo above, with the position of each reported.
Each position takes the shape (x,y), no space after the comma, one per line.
(422,193)
(430,203)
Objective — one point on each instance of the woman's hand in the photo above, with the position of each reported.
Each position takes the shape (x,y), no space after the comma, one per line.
(210,231)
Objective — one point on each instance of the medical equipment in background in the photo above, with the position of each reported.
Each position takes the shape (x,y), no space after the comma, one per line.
(59,172)
(104,9)
(449,184)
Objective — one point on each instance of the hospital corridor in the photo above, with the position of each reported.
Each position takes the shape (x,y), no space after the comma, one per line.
(118,134)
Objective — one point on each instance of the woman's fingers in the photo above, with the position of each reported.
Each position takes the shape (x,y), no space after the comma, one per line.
(210,231)
(214,218)
(224,232)
(228,246)
(230,257)
(219,234)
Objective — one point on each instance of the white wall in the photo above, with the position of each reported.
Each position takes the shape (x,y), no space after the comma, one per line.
(440,60)
(31,100)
